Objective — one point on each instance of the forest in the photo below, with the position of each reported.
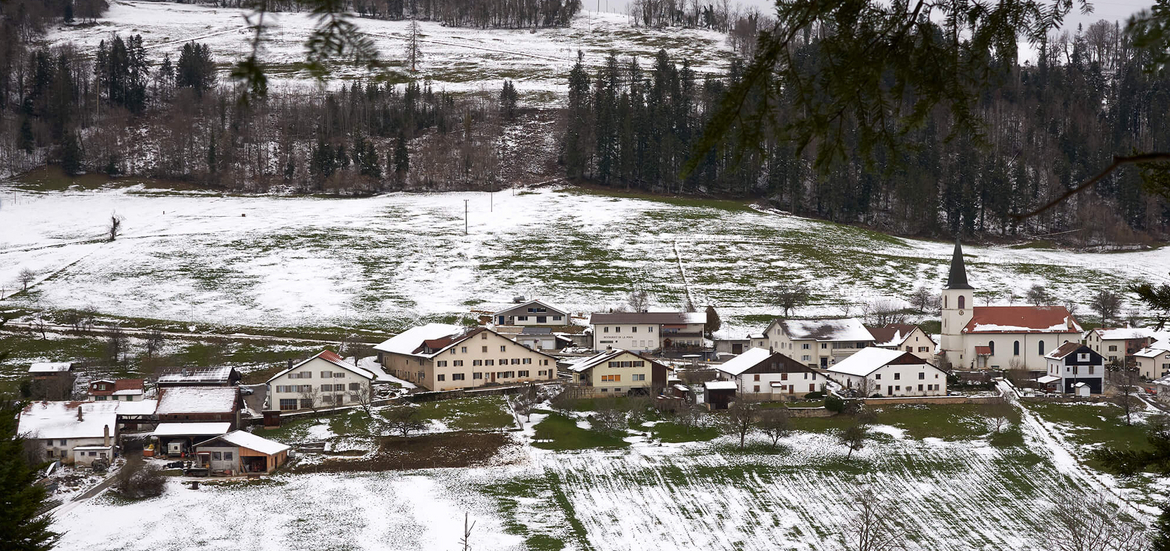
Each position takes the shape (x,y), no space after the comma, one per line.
(631,124)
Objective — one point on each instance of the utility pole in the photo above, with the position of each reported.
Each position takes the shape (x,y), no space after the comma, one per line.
(465,217)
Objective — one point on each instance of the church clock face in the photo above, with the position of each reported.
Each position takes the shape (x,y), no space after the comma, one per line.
(960,312)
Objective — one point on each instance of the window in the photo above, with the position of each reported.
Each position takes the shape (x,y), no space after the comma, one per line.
(452,350)
(617,329)
(634,329)
(503,348)
(638,377)
(878,377)
(216,456)
(1113,348)
(611,378)
(457,363)
(991,347)
(354,387)
(962,302)
(805,358)
(1041,347)
(756,377)
(804,346)
(897,376)
(919,388)
(527,361)
(783,376)
(515,361)
(463,349)
(1090,370)
(477,375)
(650,329)
(921,375)
(326,374)
(484,349)
(457,377)
(899,387)
(522,373)
(227,456)
(338,374)
(489,362)
(288,404)
(483,336)
(476,362)
(605,329)
(755,388)
(824,345)
(327,399)
(1016,348)
(441,377)
(326,388)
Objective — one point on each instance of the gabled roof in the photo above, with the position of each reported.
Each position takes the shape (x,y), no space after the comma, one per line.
(957,279)
(58,420)
(437,345)
(197,399)
(1067,348)
(847,329)
(893,334)
(1021,319)
(245,439)
(1121,333)
(659,318)
(409,341)
(867,360)
(760,356)
(332,358)
(530,330)
(122,387)
(720,385)
(551,309)
(595,360)
(1150,352)
(197,375)
(50,367)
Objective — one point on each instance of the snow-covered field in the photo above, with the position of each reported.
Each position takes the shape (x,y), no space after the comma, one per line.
(455,59)
(385,262)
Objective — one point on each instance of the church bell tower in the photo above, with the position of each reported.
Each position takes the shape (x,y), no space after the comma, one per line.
(958,299)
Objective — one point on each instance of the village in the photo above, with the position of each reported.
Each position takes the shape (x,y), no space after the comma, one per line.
(201,423)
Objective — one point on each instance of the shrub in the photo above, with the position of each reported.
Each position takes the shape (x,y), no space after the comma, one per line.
(137,480)
(814,395)
(834,403)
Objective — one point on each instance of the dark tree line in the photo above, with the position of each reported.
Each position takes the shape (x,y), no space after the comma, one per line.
(1049,125)
(498,14)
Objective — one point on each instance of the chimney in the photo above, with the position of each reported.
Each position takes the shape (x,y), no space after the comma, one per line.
(290,363)
(106,436)
(80,418)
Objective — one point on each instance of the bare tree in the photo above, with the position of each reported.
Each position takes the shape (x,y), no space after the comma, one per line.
(1080,522)
(884,311)
(924,301)
(403,420)
(1037,295)
(790,296)
(775,423)
(609,419)
(1107,304)
(874,524)
(741,420)
(117,345)
(639,300)
(854,436)
(1126,378)
(115,228)
(413,46)
(154,343)
(25,278)
(1000,413)
(137,480)
(525,401)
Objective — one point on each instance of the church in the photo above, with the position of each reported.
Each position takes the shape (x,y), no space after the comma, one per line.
(998,337)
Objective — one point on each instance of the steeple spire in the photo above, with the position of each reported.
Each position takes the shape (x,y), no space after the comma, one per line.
(958,277)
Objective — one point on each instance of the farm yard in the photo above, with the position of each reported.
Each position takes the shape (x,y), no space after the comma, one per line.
(954,488)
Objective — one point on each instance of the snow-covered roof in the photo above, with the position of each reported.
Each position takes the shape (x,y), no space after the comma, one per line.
(50,367)
(141,407)
(1047,379)
(1164,381)
(1150,352)
(891,335)
(666,318)
(550,308)
(128,392)
(410,340)
(867,360)
(1022,319)
(592,361)
(333,359)
(1122,333)
(1060,352)
(720,385)
(197,399)
(744,362)
(847,329)
(245,439)
(192,429)
(197,375)
(58,420)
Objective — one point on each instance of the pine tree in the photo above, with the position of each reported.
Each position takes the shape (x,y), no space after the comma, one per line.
(575,146)
(401,156)
(70,154)
(508,98)
(26,140)
(21,527)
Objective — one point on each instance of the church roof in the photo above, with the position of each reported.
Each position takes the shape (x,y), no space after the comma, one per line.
(958,275)
(1021,319)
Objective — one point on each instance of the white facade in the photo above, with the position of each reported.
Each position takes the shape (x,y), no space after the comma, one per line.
(1153,363)
(318,383)
(533,313)
(634,337)
(882,372)
(846,337)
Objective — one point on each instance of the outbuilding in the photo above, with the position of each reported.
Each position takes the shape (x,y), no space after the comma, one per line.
(241,452)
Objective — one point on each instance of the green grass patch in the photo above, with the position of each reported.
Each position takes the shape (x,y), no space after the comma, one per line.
(561,433)
(675,433)
(948,422)
(1092,424)
(481,413)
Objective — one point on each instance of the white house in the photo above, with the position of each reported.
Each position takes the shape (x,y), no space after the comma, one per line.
(72,432)
(762,375)
(537,338)
(1116,344)
(647,331)
(905,337)
(447,357)
(322,381)
(1074,363)
(1152,362)
(998,337)
(617,373)
(532,313)
(884,372)
(818,342)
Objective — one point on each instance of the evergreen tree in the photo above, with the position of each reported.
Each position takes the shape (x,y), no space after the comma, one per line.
(575,155)
(71,161)
(25,139)
(21,527)
(401,156)
(196,68)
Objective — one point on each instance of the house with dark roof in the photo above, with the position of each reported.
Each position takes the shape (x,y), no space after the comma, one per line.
(648,331)
(1074,366)
(905,337)
(818,342)
(1117,344)
(198,376)
(531,313)
(998,337)
(325,380)
(618,373)
(448,357)
(760,374)
(121,390)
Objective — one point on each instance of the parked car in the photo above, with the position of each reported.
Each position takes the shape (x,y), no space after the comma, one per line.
(247,390)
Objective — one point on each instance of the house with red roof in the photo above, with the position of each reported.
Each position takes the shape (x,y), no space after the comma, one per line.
(322,381)
(119,390)
(998,337)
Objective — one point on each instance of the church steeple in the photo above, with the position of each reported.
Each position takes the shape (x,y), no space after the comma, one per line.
(958,276)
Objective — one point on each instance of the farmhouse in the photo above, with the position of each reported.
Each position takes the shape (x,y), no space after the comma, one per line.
(532,313)
(1118,344)
(241,452)
(906,337)
(1075,363)
(648,331)
(1152,362)
(199,376)
(73,432)
(818,342)
(52,380)
(998,337)
(618,373)
(199,405)
(118,390)
(884,372)
(324,380)
(447,357)
(762,375)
